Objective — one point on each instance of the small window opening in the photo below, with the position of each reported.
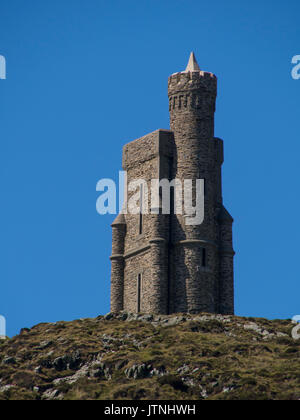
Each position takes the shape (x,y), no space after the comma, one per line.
(141,210)
(139,292)
(204,257)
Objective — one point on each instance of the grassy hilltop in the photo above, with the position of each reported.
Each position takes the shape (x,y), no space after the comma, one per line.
(129,356)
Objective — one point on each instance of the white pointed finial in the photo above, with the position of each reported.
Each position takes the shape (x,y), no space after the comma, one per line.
(192,64)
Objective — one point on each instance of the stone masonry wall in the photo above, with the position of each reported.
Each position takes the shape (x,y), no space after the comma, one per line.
(147,253)
(183,268)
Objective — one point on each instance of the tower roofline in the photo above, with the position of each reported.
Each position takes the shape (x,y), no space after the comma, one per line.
(192,71)
(192,64)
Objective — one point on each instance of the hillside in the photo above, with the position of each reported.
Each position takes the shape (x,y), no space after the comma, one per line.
(130,356)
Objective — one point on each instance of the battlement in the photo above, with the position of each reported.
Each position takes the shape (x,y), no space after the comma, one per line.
(180,82)
(193,90)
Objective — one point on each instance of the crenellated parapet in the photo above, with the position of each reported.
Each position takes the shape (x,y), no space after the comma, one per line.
(195,91)
(196,80)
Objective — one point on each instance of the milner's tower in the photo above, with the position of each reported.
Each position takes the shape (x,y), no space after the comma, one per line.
(159,263)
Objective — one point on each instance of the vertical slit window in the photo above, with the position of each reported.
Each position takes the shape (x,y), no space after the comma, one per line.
(139,292)
(141,210)
(204,257)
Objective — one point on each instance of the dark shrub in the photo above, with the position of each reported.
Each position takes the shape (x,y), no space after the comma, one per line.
(174,382)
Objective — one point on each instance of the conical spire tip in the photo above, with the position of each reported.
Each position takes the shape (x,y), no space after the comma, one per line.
(192,64)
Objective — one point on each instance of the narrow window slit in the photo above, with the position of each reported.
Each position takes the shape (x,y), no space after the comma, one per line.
(141,211)
(204,257)
(139,292)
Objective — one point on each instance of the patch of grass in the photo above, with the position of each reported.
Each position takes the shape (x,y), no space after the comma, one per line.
(216,360)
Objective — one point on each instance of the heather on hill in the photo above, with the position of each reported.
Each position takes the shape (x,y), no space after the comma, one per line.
(142,357)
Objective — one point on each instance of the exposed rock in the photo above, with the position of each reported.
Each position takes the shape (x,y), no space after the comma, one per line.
(93,369)
(38,369)
(170,322)
(203,393)
(6,388)
(108,316)
(60,363)
(120,364)
(134,356)
(183,369)
(96,372)
(46,363)
(123,316)
(138,371)
(9,361)
(67,362)
(253,327)
(145,318)
(51,394)
(45,344)
(24,331)
(144,371)
(280,334)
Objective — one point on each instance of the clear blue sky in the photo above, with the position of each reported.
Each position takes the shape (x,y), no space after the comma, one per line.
(86,77)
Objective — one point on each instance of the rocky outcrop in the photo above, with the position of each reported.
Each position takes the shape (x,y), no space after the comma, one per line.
(136,356)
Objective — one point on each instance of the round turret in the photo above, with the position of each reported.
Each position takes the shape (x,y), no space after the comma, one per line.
(117,263)
(192,98)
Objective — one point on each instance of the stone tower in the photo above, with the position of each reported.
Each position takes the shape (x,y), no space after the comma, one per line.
(160,264)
